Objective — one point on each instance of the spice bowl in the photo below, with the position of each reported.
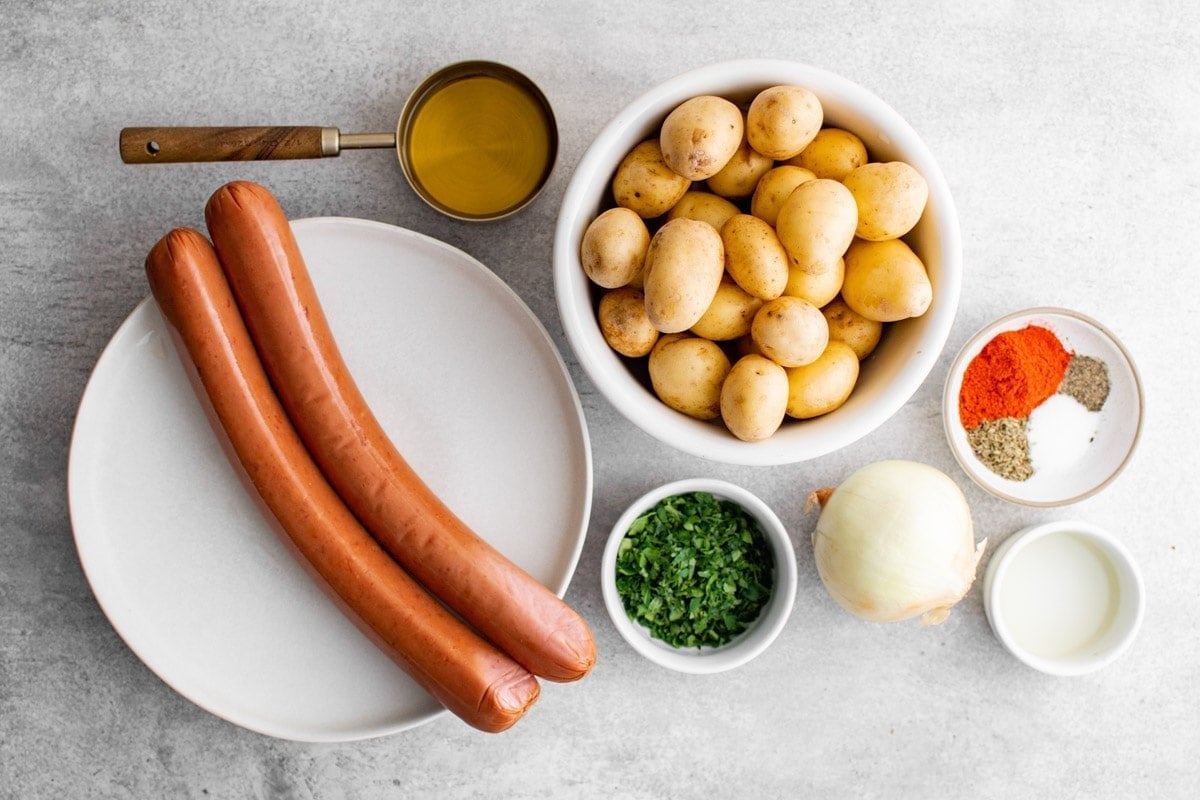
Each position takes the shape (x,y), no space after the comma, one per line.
(760,633)
(1065,597)
(1075,440)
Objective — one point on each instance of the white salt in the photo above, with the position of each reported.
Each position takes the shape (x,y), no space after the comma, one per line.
(1060,431)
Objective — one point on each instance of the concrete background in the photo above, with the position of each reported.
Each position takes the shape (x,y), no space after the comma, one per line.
(1068,134)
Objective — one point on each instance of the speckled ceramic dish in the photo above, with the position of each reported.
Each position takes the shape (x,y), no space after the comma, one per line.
(1074,453)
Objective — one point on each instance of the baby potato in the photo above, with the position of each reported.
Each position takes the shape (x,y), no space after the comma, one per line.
(624,322)
(684,264)
(645,184)
(832,153)
(700,136)
(705,207)
(817,286)
(614,248)
(845,325)
(885,281)
(754,257)
(774,188)
(754,398)
(782,120)
(790,331)
(823,385)
(817,222)
(739,177)
(687,372)
(890,197)
(730,313)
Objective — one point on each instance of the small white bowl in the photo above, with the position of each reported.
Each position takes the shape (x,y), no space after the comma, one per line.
(1126,620)
(750,643)
(1117,428)
(889,376)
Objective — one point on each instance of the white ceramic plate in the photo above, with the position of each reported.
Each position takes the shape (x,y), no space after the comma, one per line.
(1117,428)
(184,560)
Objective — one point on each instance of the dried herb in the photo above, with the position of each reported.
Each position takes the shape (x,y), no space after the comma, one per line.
(1003,446)
(695,570)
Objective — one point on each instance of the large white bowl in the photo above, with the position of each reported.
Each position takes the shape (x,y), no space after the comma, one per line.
(889,377)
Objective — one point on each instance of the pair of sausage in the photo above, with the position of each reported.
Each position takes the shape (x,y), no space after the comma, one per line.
(279,302)
(280,326)
(264,266)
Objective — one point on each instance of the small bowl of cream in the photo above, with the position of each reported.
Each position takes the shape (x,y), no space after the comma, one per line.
(1064,597)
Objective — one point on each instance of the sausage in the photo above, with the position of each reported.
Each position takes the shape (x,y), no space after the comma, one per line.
(468,675)
(262,261)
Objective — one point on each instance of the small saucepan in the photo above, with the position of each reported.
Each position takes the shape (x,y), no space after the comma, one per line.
(477,141)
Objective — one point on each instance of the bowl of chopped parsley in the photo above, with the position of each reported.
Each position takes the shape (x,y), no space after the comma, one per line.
(699,575)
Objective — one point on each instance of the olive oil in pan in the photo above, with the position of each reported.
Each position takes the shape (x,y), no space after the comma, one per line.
(479,146)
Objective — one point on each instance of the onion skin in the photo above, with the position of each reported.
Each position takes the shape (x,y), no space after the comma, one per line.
(895,541)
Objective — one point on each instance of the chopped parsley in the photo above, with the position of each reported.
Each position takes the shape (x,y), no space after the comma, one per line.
(695,570)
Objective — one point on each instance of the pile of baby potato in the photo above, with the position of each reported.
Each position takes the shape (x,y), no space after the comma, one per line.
(797,290)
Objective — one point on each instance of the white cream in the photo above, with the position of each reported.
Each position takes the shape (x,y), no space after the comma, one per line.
(1060,431)
(1059,595)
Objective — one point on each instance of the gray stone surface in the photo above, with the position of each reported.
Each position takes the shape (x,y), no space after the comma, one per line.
(1068,135)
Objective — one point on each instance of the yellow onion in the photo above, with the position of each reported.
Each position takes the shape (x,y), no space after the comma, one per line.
(895,541)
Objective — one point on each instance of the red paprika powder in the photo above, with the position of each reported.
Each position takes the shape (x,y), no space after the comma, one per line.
(1012,375)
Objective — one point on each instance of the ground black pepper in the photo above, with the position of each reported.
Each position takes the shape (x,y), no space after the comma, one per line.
(1086,379)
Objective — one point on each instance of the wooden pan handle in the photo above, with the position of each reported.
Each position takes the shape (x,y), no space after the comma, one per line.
(176,145)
